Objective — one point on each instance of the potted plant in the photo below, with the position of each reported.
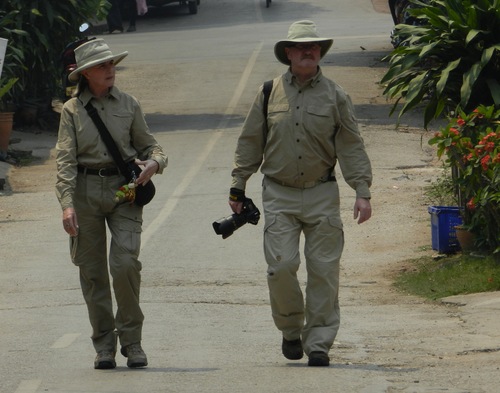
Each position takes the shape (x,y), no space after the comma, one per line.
(471,144)
(6,117)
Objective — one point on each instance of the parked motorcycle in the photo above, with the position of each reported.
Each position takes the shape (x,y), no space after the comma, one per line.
(69,62)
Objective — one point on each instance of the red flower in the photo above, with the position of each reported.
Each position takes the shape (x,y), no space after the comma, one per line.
(484,162)
(454,131)
(460,122)
(490,146)
(471,205)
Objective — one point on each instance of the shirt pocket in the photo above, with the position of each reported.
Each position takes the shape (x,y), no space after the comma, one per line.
(122,123)
(277,113)
(318,119)
(123,120)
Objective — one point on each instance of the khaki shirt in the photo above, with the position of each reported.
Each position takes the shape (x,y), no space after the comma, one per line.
(79,141)
(310,128)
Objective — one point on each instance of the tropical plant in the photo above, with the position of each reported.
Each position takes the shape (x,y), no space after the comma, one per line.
(4,94)
(37,32)
(452,59)
(471,144)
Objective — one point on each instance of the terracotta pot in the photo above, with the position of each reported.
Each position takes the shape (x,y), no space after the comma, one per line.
(6,123)
(465,239)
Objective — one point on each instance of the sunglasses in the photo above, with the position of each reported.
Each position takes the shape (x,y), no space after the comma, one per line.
(311,47)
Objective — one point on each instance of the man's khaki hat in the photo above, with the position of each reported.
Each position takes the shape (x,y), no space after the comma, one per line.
(92,53)
(301,31)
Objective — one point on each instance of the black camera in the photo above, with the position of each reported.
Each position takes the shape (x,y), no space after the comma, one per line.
(226,226)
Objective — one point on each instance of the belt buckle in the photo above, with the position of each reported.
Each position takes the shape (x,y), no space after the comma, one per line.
(100,174)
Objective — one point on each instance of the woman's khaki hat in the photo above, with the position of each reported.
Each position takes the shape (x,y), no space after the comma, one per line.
(92,53)
(301,31)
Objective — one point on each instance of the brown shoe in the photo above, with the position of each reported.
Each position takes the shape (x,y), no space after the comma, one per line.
(135,355)
(104,360)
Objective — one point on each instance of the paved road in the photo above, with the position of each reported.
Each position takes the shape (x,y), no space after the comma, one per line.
(208,326)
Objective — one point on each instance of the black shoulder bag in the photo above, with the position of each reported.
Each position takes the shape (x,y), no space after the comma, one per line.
(266,90)
(143,193)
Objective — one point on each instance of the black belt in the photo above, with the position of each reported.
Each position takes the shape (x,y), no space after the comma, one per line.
(304,185)
(103,172)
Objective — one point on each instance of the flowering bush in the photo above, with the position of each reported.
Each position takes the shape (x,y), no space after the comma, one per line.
(471,143)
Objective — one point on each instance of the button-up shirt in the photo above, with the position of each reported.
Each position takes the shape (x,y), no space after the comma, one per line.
(79,141)
(309,128)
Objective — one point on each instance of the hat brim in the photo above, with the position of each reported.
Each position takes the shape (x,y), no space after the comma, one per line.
(280,53)
(75,75)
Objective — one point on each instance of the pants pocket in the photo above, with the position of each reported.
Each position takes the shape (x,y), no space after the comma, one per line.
(73,246)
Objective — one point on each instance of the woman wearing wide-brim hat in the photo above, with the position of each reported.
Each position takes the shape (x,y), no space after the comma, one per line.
(87,181)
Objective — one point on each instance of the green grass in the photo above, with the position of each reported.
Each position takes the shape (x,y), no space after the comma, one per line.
(454,275)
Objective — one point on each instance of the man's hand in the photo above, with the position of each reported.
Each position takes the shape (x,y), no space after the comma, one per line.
(70,222)
(236,207)
(149,168)
(363,209)
(236,199)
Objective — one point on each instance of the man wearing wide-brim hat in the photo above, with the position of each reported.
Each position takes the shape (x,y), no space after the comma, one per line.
(308,127)
(88,178)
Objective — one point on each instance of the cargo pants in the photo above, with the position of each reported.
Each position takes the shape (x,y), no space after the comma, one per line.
(95,209)
(315,213)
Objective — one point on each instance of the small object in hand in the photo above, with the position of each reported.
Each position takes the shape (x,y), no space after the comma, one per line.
(125,193)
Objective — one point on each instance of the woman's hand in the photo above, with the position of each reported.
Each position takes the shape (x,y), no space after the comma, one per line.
(70,222)
(149,168)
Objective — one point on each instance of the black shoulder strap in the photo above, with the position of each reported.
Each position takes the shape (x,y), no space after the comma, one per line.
(266,90)
(108,140)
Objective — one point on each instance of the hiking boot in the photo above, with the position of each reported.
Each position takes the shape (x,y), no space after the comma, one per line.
(135,355)
(104,360)
(318,359)
(292,349)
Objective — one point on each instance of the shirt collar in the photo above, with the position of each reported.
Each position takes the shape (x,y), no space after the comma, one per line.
(86,95)
(290,78)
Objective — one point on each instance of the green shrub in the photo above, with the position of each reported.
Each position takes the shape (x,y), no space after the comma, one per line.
(452,59)
(470,144)
(38,31)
